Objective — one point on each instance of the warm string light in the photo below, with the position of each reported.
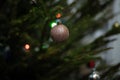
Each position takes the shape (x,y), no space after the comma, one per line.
(58,15)
(27,46)
(117,24)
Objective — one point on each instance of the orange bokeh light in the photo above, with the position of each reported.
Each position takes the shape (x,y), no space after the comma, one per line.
(27,46)
(58,15)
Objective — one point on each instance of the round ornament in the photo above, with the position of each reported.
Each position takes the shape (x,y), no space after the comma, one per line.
(59,33)
(94,76)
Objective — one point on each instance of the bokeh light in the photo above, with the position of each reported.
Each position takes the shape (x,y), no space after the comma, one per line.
(58,15)
(117,24)
(27,46)
(53,24)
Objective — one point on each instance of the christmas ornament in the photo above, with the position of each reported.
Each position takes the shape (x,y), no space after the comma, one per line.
(59,33)
(94,76)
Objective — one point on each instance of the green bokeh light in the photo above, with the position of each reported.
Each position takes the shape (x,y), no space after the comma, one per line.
(53,24)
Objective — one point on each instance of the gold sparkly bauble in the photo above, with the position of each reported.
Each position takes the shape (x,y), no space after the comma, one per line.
(59,33)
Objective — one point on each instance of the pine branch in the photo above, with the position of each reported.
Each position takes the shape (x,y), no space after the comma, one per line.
(110,71)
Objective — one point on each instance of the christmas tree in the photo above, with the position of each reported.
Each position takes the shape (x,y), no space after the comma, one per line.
(31,50)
